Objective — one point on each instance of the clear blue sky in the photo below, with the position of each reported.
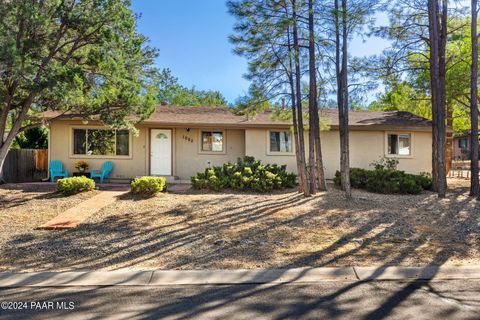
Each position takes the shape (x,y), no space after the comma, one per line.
(192,36)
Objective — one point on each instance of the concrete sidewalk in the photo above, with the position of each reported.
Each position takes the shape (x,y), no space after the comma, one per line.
(215,277)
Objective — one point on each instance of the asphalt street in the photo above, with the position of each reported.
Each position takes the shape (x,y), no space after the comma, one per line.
(453,299)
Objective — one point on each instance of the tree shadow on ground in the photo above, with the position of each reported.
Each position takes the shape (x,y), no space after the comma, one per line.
(130,239)
(28,192)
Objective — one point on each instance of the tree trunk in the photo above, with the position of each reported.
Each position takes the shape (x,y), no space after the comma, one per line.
(433,38)
(311,152)
(344,131)
(318,175)
(442,104)
(296,48)
(299,161)
(437,82)
(342,95)
(474,147)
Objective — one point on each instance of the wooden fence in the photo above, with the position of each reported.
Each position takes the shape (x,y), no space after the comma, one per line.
(25,165)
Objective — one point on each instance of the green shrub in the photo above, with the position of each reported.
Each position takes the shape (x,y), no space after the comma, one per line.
(148,186)
(387,180)
(358,178)
(385,163)
(74,185)
(246,174)
(425,180)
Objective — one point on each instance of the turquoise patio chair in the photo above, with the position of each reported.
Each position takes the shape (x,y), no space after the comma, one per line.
(103,173)
(56,170)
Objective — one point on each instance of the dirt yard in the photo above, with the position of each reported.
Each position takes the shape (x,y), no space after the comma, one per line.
(237,230)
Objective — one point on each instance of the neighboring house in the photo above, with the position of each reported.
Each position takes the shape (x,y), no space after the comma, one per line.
(461,146)
(180,141)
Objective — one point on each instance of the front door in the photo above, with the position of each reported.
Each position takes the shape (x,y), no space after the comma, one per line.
(161,152)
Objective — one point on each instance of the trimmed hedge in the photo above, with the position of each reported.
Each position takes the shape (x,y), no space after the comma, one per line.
(246,174)
(387,181)
(148,186)
(74,185)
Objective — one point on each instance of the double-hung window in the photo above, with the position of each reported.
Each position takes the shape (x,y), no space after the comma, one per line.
(281,141)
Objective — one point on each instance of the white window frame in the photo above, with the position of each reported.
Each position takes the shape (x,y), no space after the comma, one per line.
(279,153)
(87,156)
(412,139)
(200,141)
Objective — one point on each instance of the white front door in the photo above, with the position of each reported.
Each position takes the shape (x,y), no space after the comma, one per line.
(161,152)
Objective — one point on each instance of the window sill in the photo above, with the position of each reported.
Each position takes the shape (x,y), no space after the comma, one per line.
(274,153)
(80,156)
(212,152)
(396,156)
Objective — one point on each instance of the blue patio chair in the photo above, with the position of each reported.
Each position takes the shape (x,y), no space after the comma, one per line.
(103,173)
(56,170)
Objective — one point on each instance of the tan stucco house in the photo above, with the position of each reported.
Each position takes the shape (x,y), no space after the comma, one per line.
(180,141)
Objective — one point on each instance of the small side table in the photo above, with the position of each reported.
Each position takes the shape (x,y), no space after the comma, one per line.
(81,174)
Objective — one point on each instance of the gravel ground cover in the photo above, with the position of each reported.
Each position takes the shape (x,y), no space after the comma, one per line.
(198,230)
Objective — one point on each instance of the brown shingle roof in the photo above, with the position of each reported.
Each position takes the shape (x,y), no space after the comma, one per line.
(205,116)
(221,116)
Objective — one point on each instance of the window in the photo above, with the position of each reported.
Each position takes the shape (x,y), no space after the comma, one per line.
(280,141)
(463,143)
(101,142)
(399,144)
(212,141)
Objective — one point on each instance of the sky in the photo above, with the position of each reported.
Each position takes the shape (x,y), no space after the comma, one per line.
(192,38)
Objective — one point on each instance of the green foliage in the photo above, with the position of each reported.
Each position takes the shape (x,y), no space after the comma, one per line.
(35,138)
(358,178)
(387,181)
(392,181)
(74,185)
(246,174)
(403,97)
(385,163)
(407,77)
(424,179)
(82,57)
(173,93)
(286,115)
(148,186)
(254,102)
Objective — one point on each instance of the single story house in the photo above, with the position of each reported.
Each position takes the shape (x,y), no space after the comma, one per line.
(178,141)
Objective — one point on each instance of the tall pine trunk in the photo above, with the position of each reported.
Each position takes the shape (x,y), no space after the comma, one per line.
(299,159)
(341,66)
(344,131)
(318,175)
(442,103)
(474,147)
(298,96)
(437,37)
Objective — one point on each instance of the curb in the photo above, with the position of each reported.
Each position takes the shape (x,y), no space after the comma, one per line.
(239,276)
